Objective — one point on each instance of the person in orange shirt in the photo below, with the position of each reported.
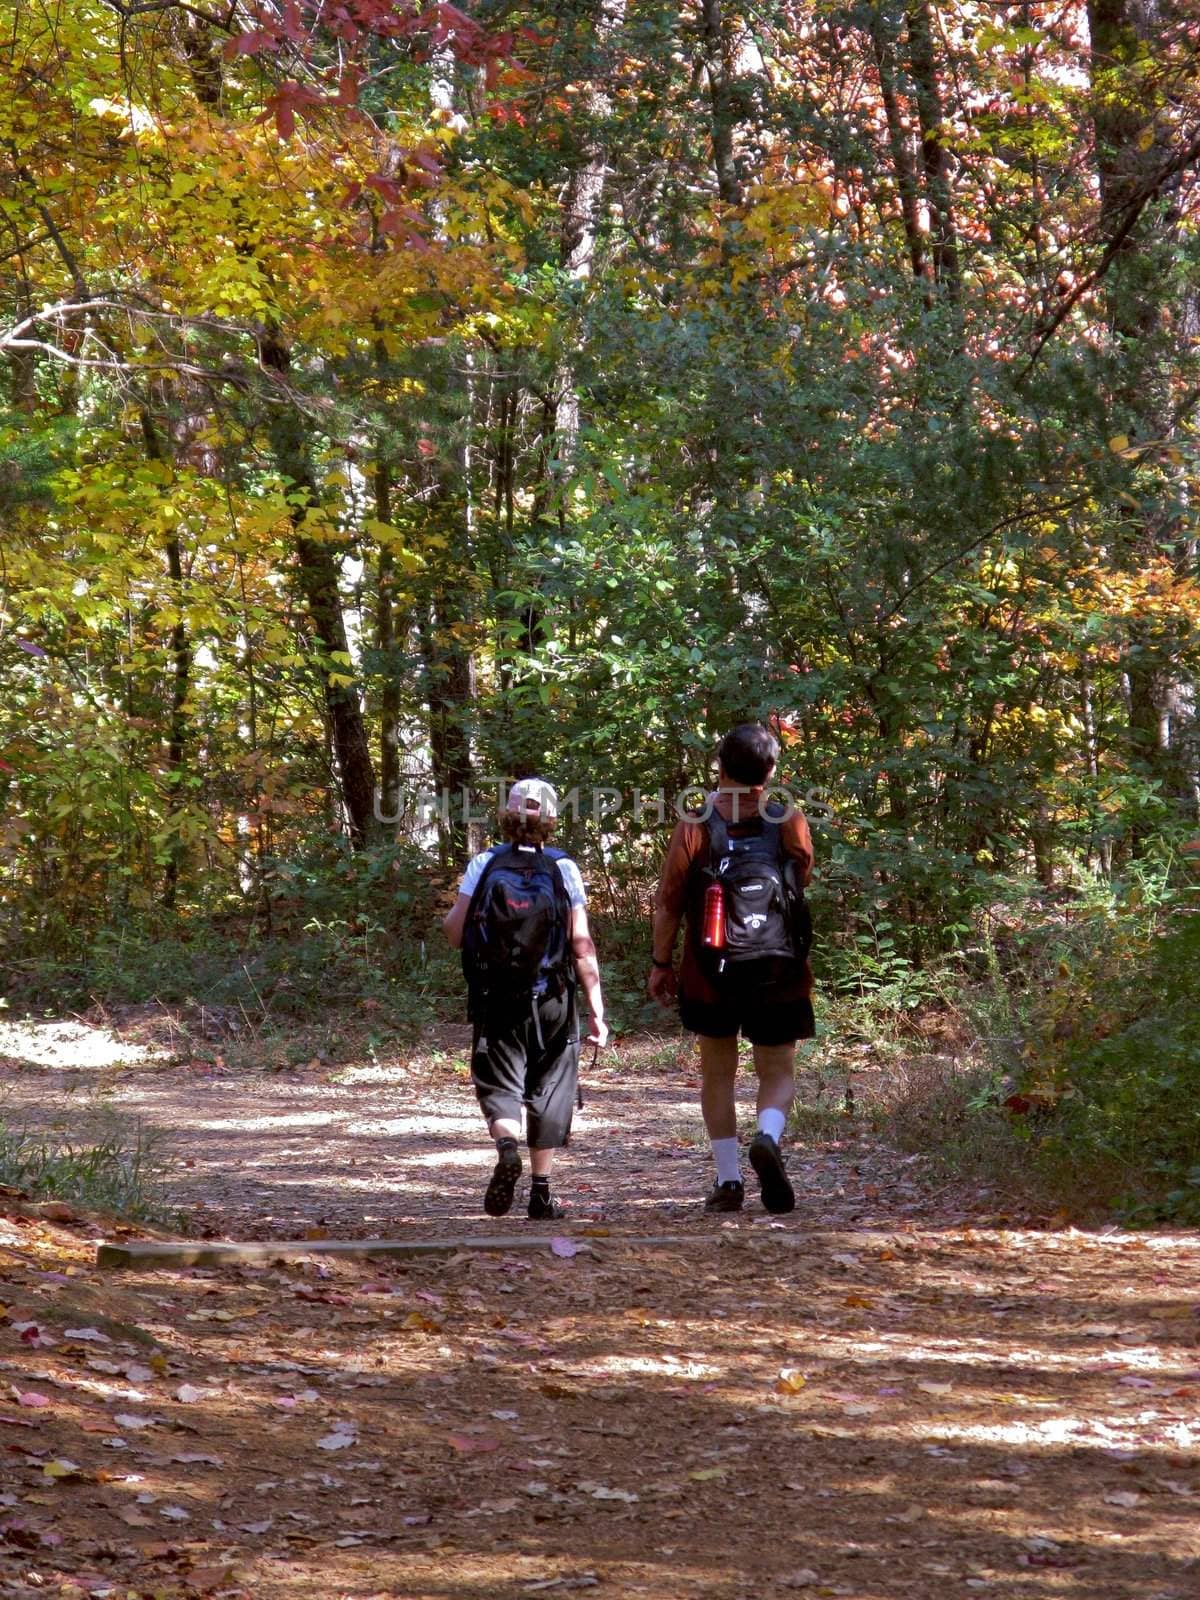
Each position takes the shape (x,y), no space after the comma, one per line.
(768,1001)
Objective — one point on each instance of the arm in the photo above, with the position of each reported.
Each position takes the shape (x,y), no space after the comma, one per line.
(797,843)
(587,969)
(669,905)
(455,920)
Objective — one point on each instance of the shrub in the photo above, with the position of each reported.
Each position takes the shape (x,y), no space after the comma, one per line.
(122,1172)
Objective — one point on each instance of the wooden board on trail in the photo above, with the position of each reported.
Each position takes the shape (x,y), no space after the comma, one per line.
(225,1252)
(229,1252)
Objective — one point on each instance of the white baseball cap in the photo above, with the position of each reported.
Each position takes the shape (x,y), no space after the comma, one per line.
(533,794)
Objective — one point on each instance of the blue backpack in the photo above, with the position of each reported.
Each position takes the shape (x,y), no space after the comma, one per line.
(516,945)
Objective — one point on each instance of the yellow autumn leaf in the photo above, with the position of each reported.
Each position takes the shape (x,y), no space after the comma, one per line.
(1118,442)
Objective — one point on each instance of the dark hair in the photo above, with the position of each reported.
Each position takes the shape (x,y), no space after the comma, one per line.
(748,752)
(525,827)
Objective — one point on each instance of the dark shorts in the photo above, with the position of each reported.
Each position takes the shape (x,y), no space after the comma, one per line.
(512,1069)
(760,1018)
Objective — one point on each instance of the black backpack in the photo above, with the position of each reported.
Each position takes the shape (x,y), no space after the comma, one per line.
(515,941)
(768,929)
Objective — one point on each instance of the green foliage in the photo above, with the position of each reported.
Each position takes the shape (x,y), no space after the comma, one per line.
(1120,1065)
(124,1172)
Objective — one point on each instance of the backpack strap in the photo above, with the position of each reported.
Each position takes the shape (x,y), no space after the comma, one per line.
(494,855)
(718,837)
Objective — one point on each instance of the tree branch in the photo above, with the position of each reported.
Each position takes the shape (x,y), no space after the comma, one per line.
(1129,221)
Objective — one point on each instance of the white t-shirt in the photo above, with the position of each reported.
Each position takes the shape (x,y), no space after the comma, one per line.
(572,881)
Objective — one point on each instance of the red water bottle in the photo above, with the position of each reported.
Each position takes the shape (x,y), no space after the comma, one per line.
(713,936)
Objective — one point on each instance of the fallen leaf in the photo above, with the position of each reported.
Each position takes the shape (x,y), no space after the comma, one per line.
(564,1247)
(175,1514)
(1122,1497)
(927,1386)
(585,1580)
(130,1420)
(601,1491)
(202,1579)
(790,1382)
(33,1400)
(188,1393)
(472,1444)
(88,1335)
(338,1439)
(62,1468)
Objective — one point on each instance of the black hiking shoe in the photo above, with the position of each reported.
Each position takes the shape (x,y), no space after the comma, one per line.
(498,1197)
(727,1196)
(542,1205)
(777,1193)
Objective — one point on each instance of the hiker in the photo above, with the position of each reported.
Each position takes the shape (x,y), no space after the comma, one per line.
(521,922)
(744,967)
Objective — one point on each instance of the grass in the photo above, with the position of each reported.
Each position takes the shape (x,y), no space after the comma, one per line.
(117,1169)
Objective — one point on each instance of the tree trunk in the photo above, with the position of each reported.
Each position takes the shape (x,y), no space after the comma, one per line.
(318,571)
(720,71)
(181,672)
(923,64)
(883,43)
(450,688)
(1149,329)
(385,642)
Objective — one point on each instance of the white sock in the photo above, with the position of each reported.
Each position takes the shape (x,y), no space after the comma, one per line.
(773,1122)
(725,1152)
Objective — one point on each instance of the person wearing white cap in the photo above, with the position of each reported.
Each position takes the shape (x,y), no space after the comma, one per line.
(521,922)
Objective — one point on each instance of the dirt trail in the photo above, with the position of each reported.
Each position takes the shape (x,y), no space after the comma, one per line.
(885,1394)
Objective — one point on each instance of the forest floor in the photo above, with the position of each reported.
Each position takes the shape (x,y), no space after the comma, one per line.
(890,1392)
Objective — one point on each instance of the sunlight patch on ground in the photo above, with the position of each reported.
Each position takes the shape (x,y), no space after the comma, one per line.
(973,1353)
(375,1126)
(1147,1430)
(71,1045)
(274,1119)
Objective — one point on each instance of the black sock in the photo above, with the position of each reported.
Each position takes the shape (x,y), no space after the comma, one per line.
(540,1182)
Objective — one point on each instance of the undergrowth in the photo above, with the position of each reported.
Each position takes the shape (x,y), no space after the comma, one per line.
(1054,1062)
(115,1169)
(1051,1056)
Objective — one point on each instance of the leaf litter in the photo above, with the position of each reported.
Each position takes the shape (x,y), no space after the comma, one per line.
(708,1417)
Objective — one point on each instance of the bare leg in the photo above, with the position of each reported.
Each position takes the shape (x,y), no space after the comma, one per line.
(718,1072)
(775,1065)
